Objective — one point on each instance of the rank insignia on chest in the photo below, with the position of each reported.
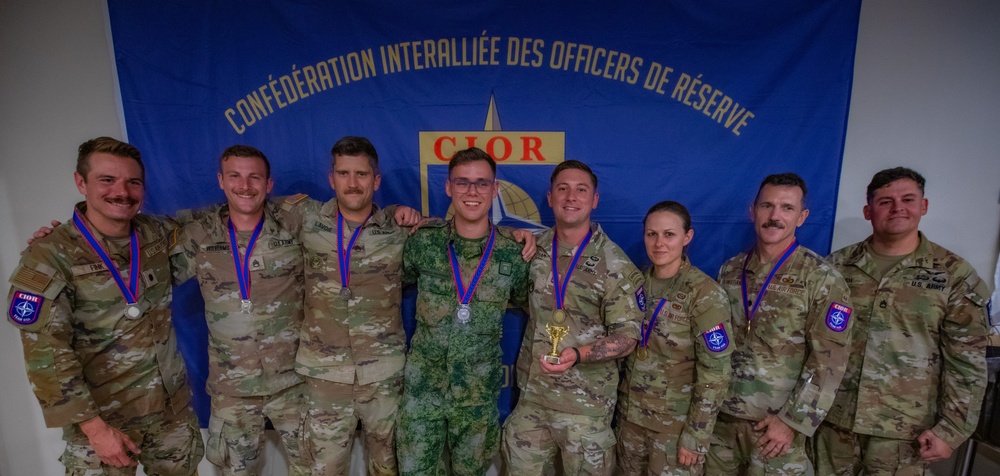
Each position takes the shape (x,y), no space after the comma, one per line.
(257,264)
(716,339)
(505,268)
(149,277)
(837,317)
(640,298)
(25,307)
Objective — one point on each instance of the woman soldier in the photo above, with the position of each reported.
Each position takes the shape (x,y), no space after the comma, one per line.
(679,373)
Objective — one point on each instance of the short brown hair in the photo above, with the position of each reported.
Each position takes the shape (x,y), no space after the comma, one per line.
(576,165)
(107,145)
(239,150)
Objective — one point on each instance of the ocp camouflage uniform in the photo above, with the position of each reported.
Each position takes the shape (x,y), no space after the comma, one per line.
(351,351)
(918,360)
(453,370)
(670,399)
(86,359)
(251,356)
(788,361)
(568,416)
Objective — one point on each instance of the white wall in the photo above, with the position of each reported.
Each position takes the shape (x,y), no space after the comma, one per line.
(924,96)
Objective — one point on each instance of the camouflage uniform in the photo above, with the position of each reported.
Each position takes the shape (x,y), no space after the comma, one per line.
(86,359)
(453,370)
(351,351)
(788,361)
(671,398)
(569,415)
(917,361)
(251,355)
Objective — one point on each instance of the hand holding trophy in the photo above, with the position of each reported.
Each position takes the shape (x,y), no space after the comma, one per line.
(556,333)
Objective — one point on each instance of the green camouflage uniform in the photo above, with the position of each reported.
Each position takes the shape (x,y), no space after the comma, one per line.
(86,359)
(671,398)
(453,370)
(568,416)
(352,351)
(788,361)
(918,357)
(251,356)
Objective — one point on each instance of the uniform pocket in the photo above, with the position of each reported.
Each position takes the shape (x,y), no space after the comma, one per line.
(598,453)
(216,450)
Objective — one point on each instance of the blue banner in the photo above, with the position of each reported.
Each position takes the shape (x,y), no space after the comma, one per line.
(689,101)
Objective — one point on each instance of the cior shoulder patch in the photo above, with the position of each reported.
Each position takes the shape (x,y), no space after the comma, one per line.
(837,317)
(716,339)
(25,308)
(640,298)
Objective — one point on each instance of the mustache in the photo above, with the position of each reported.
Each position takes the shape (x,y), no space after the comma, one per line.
(773,224)
(353,190)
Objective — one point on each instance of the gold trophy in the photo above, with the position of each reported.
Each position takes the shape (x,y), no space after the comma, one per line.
(556,333)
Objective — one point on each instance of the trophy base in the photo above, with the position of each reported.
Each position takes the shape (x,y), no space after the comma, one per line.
(553,359)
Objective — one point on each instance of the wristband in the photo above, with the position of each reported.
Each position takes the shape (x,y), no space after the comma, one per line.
(577,352)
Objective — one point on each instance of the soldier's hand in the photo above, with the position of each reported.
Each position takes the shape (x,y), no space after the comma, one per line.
(933,448)
(111,445)
(422,222)
(689,458)
(777,437)
(566,358)
(524,235)
(43,231)
(406,216)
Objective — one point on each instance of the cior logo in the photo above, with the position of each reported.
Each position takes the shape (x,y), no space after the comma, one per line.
(508,148)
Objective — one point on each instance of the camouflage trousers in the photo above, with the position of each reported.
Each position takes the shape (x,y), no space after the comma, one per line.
(733,450)
(470,433)
(537,439)
(334,412)
(642,452)
(836,451)
(236,431)
(169,445)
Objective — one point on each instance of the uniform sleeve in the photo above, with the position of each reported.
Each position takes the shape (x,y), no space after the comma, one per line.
(410,270)
(827,352)
(182,255)
(620,308)
(291,211)
(710,316)
(55,373)
(963,346)
(521,288)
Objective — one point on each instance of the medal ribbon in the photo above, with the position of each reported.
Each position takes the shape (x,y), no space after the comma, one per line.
(344,255)
(763,288)
(243,268)
(129,291)
(560,291)
(465,295)
(648,330)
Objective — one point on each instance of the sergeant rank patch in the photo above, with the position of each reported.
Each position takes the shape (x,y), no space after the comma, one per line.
(837,317)
(25,307)
(716,338)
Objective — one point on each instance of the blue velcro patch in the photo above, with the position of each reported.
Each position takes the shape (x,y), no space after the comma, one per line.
(640,298)
(716,339)
(25,308)
(837,317)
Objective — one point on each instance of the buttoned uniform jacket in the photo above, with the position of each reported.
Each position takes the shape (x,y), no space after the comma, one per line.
(790,358)
(84,357)
(918,347)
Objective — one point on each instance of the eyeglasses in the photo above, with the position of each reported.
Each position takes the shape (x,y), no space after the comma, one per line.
(462,185)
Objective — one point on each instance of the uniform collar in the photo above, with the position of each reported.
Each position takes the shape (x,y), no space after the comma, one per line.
(330,209)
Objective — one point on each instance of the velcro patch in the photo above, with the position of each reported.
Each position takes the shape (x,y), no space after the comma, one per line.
(25,308)
(640,298)
(716,339)
(837,317)
(31,279)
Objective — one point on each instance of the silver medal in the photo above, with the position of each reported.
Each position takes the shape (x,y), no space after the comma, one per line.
(246,306)
(345,293)
(133,311)
(463,314)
